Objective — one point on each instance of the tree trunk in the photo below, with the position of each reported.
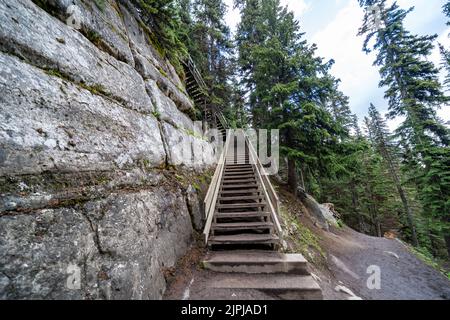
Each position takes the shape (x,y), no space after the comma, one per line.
(401,192)
(355,207)
(447,242)
(292,176)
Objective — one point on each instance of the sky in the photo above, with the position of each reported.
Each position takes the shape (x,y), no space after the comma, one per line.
(333,25)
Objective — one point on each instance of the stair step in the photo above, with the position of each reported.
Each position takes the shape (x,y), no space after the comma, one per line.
(240,186)
(251,191)
(235,226)
(255,262)
(238,171)
(285,286)
(240,181)
(239,166)
(249,214)
(242,175)
(241,205)
(244,239)
(240,198)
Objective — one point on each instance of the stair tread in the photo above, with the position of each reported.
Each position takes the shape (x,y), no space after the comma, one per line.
(253,257)
(267,282)
(240,186)
(241,198)
(250,191)
(241,205)
(231,225)
(249,214)
(238,181)
(244,238)
(238,177)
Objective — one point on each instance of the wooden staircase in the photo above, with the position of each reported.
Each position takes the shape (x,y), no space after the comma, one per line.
(242,217)
(242,228)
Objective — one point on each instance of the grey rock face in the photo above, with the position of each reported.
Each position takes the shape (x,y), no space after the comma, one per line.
(166,108)
(37,249)
(113,248)
(150,64)
(26,33)
(104,23)
(179,146)
(86,208)
(66,127)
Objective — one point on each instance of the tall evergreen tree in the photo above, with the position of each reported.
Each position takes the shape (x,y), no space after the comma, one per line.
(446,9)
(286,82)
(445,54)
(213,48)
(413,91)
(382,141)
(162,18)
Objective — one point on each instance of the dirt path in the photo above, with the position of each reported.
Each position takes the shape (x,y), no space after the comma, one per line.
(349,254)
(403,275)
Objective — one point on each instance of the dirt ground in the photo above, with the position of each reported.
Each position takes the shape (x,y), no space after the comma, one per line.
(342,275)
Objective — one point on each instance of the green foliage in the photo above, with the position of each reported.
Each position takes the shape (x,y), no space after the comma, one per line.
(208,40)
(300,236)
(445,54)
(156,114)
(162,18)
(100,4)
(93,37)
(446,9)
(414,92)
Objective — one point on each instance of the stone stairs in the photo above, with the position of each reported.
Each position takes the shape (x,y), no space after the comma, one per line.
(283,276)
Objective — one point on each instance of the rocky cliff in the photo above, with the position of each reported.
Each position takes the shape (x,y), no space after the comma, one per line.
(95,149)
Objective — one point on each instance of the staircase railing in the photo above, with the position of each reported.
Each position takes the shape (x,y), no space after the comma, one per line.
(268,190)
(214,187)
(190,64)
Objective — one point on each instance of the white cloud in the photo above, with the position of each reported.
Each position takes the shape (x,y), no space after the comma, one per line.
(299,7)
(232,17)
(339,41)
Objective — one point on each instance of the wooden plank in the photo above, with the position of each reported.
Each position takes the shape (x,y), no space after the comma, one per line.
(241,205)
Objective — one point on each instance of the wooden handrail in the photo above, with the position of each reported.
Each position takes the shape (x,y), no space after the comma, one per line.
(267,187)
(214,187)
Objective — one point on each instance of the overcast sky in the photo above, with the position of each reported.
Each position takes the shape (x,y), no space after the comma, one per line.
(333,25)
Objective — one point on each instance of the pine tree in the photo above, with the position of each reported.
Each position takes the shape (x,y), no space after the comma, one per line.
(413,91)
(213,48)
(286,83)
(446,9)
(162,18)
(445,54)
(382,141)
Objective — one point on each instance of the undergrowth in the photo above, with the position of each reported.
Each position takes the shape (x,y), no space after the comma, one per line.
(301,238)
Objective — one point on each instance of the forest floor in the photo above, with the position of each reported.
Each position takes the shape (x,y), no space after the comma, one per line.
(339,261)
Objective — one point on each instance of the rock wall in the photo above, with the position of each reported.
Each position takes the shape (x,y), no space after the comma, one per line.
(94,135)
